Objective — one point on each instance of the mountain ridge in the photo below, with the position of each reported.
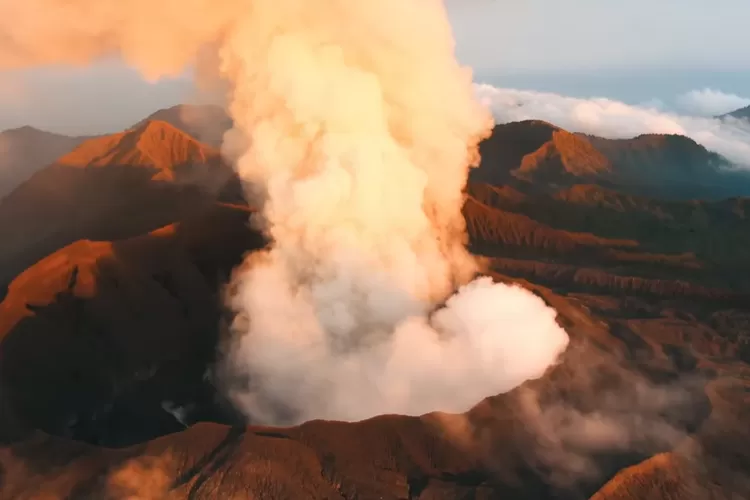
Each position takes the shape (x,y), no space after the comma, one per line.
(534,155)
(124,294)
(205,122)
(153,143)
(742,113)
(149,175)
(25,150)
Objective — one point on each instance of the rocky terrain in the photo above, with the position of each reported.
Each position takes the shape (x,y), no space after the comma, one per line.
(112,319)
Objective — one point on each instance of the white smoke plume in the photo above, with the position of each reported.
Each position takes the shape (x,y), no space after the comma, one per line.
(710,102)
(486,340)
(616,120)
(355,128)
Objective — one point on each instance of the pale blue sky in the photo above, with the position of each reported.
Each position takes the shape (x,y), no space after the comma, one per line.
(633,50)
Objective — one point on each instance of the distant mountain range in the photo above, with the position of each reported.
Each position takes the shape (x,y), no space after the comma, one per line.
(147,175)
(116,252)
(543,157)
(143,178)
(662,165)
(25,150)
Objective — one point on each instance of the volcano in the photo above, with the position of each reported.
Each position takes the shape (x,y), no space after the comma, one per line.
(117,254)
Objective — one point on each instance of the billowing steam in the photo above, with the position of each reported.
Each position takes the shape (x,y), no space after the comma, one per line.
(486,340)
(355,128)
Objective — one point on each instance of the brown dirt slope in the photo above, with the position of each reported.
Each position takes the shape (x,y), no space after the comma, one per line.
(207,123)
(153,144)
(537,156)
(112,319)
(539,153)
(127,327)
(111,187)
(698,242)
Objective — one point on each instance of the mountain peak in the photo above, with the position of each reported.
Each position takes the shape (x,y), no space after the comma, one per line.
(29,131)
(537,123)
(535,148)
(577,155)
(659,140)
(740,113)
(181,113)
(564,155)
(151,143)
(205,122)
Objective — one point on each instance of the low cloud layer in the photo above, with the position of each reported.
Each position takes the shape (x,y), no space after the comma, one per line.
(617,120)
(709,102)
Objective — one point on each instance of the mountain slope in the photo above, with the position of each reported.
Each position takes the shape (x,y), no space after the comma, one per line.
(101,340)
(740,113)
(674,166)
(109,371)
(538,153)
(536,156)
(25,150)
(207,123)
(153,144)
(585,235)
(121,324)
(111,187)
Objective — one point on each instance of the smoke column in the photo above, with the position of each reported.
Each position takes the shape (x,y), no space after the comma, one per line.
(355,128)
